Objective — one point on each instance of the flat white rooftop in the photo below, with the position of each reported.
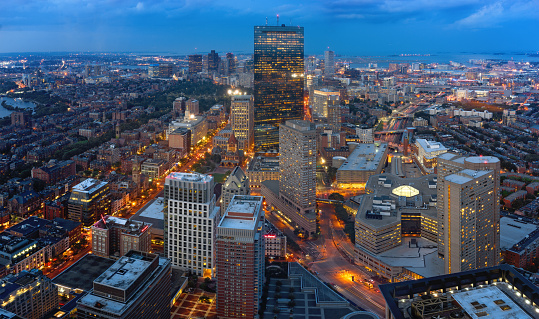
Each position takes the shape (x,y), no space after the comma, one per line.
(123,273)
(489,302)
(482,159)
(248,207)
(155,210)
(366,157)
(90,185)
(465,176)
(512,231)
(431,146)
(189,177)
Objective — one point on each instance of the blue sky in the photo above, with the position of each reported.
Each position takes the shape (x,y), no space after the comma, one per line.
(350,27)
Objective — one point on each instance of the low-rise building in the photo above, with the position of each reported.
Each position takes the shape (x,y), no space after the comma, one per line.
(114,236)
(364,161)
(427,152)
(153,168)
(262,168)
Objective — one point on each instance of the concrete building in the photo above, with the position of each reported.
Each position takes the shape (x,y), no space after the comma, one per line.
(242,120)
(260,169)
(322,98)
(450,163)
(395,220)
(275,242)
(192,106)
(237,183)
(472,224)
(136,286)
(329,63)
(195,123)
(180,139)
(296,195)
(114,236)
(153,214)
(28,294)
(88,201)
(190,221)
(240,258)
(427,152)
(365,134)
(365,160)
(153,168)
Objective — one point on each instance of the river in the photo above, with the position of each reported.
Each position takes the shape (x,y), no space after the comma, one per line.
(13,102)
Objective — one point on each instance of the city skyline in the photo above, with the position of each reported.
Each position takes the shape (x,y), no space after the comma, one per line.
(160,26)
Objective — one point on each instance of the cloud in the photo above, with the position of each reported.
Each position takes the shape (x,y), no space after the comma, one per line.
(139,6)
(486,16)
(493,15)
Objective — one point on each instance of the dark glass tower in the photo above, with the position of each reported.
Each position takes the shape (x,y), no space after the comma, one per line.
(195,63)
(278,81)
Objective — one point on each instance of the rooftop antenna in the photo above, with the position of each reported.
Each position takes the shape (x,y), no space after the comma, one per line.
(277,20)
(266,20)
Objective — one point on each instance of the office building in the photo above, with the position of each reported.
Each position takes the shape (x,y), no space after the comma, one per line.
(329,63)
(450,163)
(231,63)
(240,258)
(192,106)
(237,183)
(190,220)
(494,292)
(472,233)
(365,160)
(334,115)
(153,70)
(278,81)
(195,63)
(295,192)
(153,168)
(213,62)
(114,236)
(196,124)
(166,70)
(180,139)
(322,98)
(138,285)
(179,104)
(29,294)
(427,152)
(88,201)
(260,169)
(242,121)
(365,134)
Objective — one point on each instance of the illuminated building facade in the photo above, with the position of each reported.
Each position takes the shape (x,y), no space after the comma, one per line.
(242,120)
(195,63)
(322,99)
(89,200)
(329,63)
(240,258)
(278,81)
(190,221)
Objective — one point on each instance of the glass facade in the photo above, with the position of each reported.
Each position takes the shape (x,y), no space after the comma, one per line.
(278,81)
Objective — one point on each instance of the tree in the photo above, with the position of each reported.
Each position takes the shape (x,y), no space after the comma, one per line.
(336,196)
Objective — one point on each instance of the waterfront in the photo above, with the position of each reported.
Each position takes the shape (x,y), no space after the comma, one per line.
(13,102)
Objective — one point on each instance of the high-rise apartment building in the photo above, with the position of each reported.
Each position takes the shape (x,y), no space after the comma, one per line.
(29,294)
(237,183)
(242,121)
(329,63)
(240,258)
(470,198)
(190,221)
(137,285)
(213,62)
(114,236)
(89,200)
(278,81)
(297,163)
(192,106)
(334,115)
(195,63)
(322,98)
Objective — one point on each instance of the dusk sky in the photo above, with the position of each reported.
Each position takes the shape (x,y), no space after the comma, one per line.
(349,27)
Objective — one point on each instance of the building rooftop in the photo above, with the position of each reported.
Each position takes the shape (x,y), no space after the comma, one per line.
(366,157)
(82,273)
(482,159)
(465,176)
(513,231)
(190,177)
(90,185)
(123,273)
(431,146)
(264,163)
(242,212)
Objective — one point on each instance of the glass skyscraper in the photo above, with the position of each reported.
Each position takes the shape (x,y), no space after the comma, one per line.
(278,81)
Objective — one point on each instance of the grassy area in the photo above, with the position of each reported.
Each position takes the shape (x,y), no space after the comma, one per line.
(220,178)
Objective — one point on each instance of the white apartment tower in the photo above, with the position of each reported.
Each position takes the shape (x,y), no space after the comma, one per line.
(242,120)
(189,222)
(297,164)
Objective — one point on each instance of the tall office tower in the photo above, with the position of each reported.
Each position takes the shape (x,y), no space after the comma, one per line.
(334,115)
(237,183)
(29,294)
(88,201)
(297,165)
(311,63)
(449,164)
(242,121)
(195,63)
(240,258)
(114,236)
(190,221)
(166,70)
(471,231)
(231,63)
(329,63)
(153,70)
(213,62)
(278,81)
(321,99)
(192,106)
(136,286)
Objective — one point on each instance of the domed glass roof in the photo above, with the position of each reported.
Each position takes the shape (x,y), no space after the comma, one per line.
(405,190)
